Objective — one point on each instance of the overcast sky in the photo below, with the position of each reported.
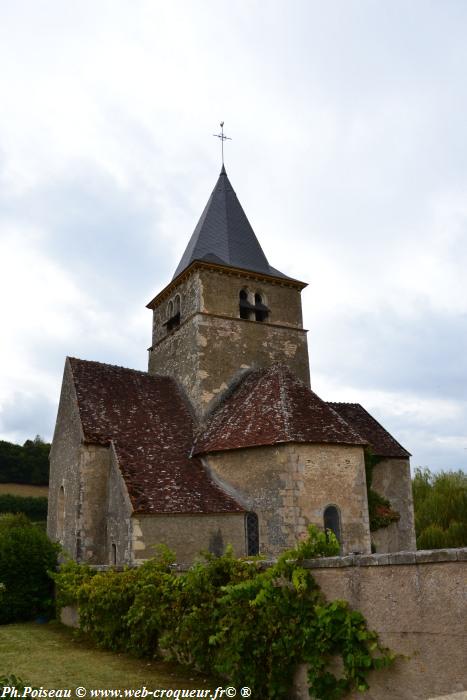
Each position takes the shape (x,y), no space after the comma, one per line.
(348,153)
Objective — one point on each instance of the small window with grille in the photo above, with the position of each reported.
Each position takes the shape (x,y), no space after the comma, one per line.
(252,534)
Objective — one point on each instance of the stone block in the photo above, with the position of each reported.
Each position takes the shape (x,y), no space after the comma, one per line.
(429,555)
(402,558)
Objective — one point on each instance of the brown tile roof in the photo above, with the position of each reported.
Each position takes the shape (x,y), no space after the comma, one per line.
(381,442)
(151,427)
(272,406)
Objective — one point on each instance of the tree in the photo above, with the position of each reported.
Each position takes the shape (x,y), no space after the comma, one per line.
(440,504)
(26,555)
(25,464)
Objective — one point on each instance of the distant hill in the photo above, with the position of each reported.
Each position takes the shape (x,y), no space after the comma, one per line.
(25,464)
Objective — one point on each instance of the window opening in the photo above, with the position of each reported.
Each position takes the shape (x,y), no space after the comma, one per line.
(114,554)
(244,305)
(252,534)
(332,521)
(173,314)
(261,310)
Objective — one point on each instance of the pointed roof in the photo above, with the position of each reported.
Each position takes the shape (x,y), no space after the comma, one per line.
(272,406)
(148,422)
(224,235)
(381,442)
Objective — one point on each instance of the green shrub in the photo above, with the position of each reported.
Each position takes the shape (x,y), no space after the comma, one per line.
(35,507)
(231,617)
(26,554)
(440,505)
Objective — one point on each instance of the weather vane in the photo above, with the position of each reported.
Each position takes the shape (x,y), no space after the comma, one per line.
(222,138)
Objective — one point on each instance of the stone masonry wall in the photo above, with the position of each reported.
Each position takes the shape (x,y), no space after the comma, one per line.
(92,504)
(285,487)
(391,478)
(64,468)
(119,526)
(212,344)
(187,535)
(417,602)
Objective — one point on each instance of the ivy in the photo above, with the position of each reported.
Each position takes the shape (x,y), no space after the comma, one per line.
(235,618)
(380,510)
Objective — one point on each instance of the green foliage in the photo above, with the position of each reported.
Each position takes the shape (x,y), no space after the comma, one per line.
(230,617)
(380,510)
(12,681)
(26,554)
(35,507)
(440,504)
(25,464)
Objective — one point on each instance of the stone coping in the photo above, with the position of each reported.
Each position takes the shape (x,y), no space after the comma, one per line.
(421,556)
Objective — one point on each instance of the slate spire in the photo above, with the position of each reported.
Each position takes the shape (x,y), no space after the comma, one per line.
(224,235)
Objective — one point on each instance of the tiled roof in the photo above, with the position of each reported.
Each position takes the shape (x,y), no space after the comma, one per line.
(381,442)
(151,427)
(272,406)
(225,236)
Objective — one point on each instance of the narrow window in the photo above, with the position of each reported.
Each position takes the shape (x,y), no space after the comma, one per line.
(170,310)
(244,305)
(173,314)
(261,310)
(252,534)
(332,521)
(113,554)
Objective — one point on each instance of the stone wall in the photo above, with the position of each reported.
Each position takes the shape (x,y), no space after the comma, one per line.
(119,526)
(213,344)
(289,486)
(64,458)
(417,603)
(187,535)
(391,479)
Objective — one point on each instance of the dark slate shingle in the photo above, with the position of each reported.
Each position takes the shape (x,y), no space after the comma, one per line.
(224,235)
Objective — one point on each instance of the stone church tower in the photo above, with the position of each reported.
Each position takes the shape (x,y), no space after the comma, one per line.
(226,309)
(222,441)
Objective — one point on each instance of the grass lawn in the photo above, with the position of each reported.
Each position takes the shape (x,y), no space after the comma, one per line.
(50,656)
(24,490)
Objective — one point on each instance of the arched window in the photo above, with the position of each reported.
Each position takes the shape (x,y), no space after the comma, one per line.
(173,313)
(261,310)
(61,514)
(332,521)
(244,305)
(113,554)
(252,534)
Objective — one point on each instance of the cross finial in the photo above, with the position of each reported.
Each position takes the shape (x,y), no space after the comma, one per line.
(223,138)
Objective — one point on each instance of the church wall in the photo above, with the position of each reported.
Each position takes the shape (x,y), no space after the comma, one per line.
(289,486)
(391,478)
(92,521)
(220,295)
(335,475)
(187,535)
(119,523)
(63,511)
(189,291)
(207,353)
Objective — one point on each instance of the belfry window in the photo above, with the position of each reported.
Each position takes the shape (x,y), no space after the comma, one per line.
(245,307)
(332,521)
(173,314)
(261,310)
(252,534)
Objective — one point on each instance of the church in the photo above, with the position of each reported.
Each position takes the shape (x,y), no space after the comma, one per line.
(222,441)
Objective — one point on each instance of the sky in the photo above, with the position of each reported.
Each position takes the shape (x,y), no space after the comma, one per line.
(348,154)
